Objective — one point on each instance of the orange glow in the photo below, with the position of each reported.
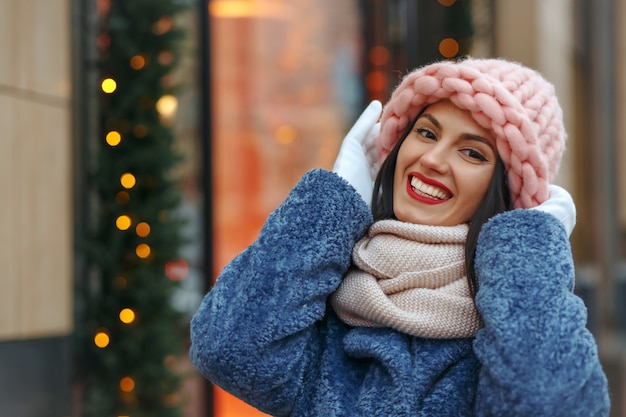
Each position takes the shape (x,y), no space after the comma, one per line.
(127,316)
(123,222)
(101,339)
(163,25)
(165,57)
(140,131)
(285,135)
(247,8)
(379,55)
(376,81)
(446,3)
(137,62)
(127,384)
(142,229)
(120,282)
(448,47)
(227,405)
(122,197)
(143,250)
(103,40)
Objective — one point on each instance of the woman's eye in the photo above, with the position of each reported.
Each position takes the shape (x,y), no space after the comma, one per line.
(426,133)
(474,154)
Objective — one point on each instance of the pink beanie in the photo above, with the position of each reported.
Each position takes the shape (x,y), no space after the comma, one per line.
(514,102)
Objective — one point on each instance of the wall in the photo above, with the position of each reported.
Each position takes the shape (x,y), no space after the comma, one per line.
(36,205)
(580,47)
(539,34)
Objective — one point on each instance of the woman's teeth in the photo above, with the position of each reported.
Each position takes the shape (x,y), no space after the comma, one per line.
(426,190)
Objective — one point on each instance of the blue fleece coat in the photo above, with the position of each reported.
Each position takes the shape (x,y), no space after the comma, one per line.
(266,334)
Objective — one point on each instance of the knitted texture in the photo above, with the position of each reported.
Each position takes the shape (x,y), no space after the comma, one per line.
(411,278)
(515,103)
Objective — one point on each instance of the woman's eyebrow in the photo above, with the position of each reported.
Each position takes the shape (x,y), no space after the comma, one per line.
(432,119)
(469,136)
(478,138)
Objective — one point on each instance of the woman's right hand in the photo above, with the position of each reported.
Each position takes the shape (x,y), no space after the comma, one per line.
(357,161)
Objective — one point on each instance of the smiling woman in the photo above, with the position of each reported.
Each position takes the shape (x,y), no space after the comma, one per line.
(443,168)
(452,296)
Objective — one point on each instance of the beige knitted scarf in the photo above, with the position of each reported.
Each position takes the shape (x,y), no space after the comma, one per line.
(411,278)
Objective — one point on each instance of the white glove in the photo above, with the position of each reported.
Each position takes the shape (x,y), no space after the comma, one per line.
(357,161)
(561,206)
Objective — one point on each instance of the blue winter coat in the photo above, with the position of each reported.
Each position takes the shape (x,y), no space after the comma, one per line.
(266,334)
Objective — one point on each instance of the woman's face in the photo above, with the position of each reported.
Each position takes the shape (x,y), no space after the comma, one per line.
(444,167)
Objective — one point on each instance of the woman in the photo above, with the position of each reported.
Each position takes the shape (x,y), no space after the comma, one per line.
(452,304)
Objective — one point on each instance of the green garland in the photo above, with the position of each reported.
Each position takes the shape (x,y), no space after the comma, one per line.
(130,334)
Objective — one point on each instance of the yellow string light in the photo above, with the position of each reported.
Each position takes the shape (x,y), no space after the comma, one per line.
(127,316)
(123,222)
(101,339)
(113,138)
(109,85)
(128,180)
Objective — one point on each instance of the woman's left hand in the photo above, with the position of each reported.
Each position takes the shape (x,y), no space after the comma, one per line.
(560,205)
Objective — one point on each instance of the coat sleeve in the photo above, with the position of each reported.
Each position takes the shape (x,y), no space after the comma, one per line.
(537,356)
(255,332)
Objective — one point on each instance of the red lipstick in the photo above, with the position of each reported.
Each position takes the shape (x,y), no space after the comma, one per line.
(429,181)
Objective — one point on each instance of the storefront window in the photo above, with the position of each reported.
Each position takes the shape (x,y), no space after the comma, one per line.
(285,81)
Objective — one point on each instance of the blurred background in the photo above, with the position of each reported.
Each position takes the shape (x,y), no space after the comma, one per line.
(144,142)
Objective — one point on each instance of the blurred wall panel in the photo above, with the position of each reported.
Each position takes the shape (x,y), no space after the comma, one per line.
(36,255)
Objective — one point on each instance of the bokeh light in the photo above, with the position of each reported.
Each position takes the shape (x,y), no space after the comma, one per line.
(122,197)
(143,250)
(448,48)
(137,62)
(167,105)
(379,55)
(127,384)
(142,229)
(165,58)
(101,339)
(376,81)
(120,282)
(123,222)
(127,316)
(113,138)
(140,131)
(109,85)
(285,135)
(128,180)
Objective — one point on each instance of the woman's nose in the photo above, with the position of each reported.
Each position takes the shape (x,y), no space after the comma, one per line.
(436,158)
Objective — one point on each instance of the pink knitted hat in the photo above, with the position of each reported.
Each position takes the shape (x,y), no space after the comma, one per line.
(514,102)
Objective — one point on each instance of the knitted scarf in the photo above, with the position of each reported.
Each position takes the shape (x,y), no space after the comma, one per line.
(411,278)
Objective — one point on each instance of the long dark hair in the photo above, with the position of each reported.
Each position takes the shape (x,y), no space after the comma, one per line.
(497,200)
